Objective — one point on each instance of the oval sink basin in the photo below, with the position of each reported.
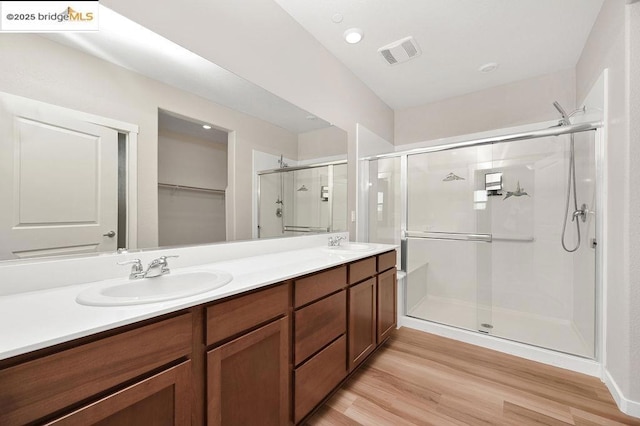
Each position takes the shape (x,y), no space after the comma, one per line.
(149,290)
(350,247)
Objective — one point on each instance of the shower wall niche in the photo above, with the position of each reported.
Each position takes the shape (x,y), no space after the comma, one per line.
(309,199)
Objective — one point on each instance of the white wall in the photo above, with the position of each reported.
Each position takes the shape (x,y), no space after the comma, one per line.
(633,28)
(606,48)
(85,83)
(522,102)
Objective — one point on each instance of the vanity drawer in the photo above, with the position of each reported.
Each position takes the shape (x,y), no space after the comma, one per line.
(45,385)
(362,269)
(315,286)
(386,261)
(319,376)
(318,324)
(226,319)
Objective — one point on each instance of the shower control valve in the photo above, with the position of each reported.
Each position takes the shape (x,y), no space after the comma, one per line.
(581,213)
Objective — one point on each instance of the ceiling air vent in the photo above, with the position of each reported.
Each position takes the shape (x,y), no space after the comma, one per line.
(400,51)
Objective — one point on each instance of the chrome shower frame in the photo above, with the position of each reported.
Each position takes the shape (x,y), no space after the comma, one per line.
(558,130)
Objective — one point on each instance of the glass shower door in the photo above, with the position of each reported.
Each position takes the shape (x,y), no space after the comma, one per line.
(448,237)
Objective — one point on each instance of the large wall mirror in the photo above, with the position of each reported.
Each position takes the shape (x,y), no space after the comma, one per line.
(122,138)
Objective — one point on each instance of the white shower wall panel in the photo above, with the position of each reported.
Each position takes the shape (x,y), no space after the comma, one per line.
(531,273)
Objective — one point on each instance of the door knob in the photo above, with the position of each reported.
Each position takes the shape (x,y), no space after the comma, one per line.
(109,234)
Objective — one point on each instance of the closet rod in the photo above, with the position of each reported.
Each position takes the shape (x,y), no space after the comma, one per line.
(191,188)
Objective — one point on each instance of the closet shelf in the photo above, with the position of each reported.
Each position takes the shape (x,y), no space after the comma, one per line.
(190,188)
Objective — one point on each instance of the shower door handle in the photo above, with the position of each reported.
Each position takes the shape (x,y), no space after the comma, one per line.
(454,236)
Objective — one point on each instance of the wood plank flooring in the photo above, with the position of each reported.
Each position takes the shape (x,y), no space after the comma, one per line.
(423,379)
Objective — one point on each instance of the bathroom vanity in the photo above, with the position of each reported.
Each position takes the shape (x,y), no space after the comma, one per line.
(269,355)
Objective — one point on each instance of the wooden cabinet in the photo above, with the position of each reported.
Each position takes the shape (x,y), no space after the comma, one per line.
(319,347)
(387,304)
(313,287)
(316,378)
(162,399)
(362,321)
(231,317)
(318,324)
(267,357)
(44,386)
(362,269)
(248,378)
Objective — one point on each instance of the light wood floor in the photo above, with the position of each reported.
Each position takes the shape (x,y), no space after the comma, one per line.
(422,379)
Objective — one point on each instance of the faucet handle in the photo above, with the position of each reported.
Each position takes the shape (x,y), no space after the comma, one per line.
(136,269)
(163,259)
(137,264)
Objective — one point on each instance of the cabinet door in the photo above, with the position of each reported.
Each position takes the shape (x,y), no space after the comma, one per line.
(163,399)
(362,321)
(387,304)
(248,378)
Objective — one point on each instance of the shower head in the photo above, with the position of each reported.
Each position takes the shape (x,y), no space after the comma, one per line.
(303,188)
(560,109)
(563,113)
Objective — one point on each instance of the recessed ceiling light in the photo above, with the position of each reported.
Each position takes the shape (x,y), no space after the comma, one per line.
(353,35)
(206,126)
(491,66)
(337,18)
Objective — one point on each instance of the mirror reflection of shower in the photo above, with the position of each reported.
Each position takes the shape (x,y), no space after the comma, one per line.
(308,199)
(578,213)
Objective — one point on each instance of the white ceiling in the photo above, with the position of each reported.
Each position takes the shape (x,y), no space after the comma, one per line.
(526,37)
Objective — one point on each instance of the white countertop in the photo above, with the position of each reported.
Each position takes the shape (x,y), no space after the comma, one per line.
(39,319)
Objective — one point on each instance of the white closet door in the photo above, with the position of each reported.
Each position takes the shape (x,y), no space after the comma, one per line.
(58,181)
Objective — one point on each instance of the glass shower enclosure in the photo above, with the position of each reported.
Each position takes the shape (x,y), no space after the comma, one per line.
(482,229)
(302,199)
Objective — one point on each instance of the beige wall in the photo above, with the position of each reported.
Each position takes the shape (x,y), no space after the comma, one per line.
(191,161)
(522,102)
(47,71)
(322,143)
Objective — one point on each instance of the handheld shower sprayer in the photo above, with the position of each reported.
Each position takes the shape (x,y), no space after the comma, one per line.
(565,121)
(571,185)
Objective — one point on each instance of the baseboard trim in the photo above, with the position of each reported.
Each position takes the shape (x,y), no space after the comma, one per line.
(627,406)
(545,356)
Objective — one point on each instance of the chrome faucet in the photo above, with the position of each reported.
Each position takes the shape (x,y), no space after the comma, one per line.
(158,267)
(335,241)
(136,270)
